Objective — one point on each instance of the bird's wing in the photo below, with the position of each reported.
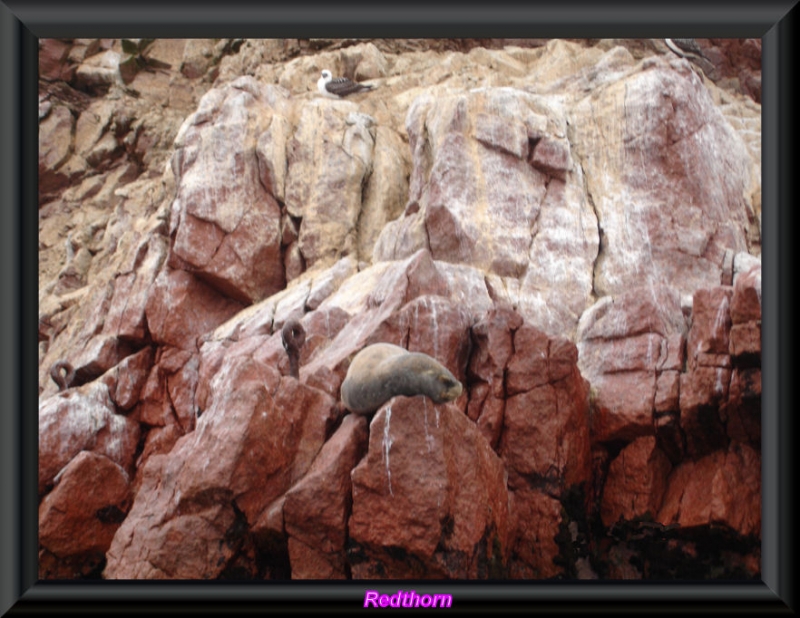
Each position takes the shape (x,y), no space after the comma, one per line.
(342,86)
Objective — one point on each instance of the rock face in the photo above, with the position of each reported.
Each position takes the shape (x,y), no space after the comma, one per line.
(572,228)
(443,488)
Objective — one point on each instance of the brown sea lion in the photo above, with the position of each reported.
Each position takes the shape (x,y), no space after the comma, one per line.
(382,371)
(64,381)
(293,336)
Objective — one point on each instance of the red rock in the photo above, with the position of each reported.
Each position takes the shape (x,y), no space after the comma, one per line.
(181,384)
(637,479)
(311,563)
(630,349)
(702,392)
(742,412)
(181,308)
(429,487)
(168,395)
(746,300)
(54,60)
(536,518)
(100,354)
(126,312)
(552,157)
(546,435)
(225,226)
(670,438)
(545,428)
(711,323)
(58,166)
(745,342)
(317,508)
(723,488)
(492,348)
(639,353)
(322,327)
(736,62)
(623,406)
(385,312)
(159,440)
(635,311)
(258,437)
(85,508)
(277,451)
(129,378)
(493,341)
(432,325)
(83,419)
(490,420)
(667,397)
(190,546)
(529,367)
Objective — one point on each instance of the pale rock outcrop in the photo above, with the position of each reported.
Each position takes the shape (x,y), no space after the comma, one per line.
(329,161)
(224,225)
(649,146)
(491,187)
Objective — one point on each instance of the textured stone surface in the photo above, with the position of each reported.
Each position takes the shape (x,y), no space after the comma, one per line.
(571,226)
(721,488)
(69,527)
(631,347)
(316,509)
(661,220)
(545,435)
(430,485)
(80,420)
(225,225)
(637,479)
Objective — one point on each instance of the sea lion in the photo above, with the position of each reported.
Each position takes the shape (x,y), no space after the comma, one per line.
(293,336)
(382,371)
(64,381)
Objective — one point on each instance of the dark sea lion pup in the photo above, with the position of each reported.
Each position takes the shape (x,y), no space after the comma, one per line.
(293,336)
(382,371)
(63,374)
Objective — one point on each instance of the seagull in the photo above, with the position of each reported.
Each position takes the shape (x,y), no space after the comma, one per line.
(337,87)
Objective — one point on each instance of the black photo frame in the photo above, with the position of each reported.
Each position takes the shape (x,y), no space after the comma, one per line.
(23,22)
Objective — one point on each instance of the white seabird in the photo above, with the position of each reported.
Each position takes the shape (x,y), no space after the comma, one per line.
(337,87)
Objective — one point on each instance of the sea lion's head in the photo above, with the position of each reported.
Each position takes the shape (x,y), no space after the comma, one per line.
(446,387)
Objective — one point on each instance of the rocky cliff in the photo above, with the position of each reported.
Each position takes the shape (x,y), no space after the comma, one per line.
(571,227)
